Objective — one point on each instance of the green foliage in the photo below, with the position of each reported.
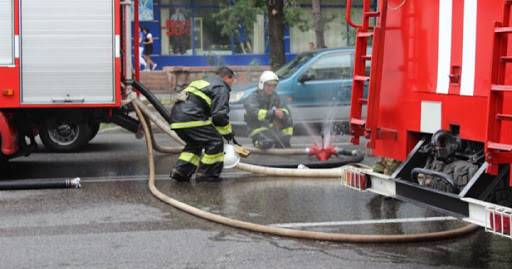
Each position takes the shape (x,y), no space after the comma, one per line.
(210,57)
(294,16)
(214,60)
(243,12)
(327,19)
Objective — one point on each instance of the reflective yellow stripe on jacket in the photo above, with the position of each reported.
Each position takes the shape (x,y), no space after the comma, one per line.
(224,130)
(194,88)
(189,157)
(285,110)
(257,130)
(287,131)
(211,159)
(190,124)
(261,114)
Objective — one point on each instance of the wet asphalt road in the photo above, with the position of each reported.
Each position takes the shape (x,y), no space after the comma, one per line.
(113,221)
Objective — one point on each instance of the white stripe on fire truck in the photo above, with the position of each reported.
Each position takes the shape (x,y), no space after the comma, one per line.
(467,84)
(118,47)
(444,46)
(16,46)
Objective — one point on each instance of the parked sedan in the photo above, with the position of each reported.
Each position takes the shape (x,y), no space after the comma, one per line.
(316,85)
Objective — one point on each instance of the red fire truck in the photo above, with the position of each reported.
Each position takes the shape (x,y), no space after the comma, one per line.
(440,101)
(65,66)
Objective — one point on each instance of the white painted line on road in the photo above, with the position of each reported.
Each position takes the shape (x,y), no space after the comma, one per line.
(359,222)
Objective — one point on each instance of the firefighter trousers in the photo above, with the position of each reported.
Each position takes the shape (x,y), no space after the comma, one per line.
(271,139)
(197,139)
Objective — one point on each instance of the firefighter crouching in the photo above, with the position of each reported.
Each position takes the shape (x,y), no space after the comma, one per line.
(269,121)
(200,118)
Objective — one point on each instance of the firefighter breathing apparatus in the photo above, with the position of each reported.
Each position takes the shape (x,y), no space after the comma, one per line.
(140,108)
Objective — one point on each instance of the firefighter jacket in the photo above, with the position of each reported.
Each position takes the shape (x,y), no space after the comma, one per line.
(206,102)
(259,113)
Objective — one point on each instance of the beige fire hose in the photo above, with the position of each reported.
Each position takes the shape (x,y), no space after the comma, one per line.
(356,238)
(160,123)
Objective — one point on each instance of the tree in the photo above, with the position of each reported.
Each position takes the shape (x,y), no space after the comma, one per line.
(319,26)
(275,11)
(280,13)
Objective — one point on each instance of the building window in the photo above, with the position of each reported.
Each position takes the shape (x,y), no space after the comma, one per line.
(176,32)
(207,34)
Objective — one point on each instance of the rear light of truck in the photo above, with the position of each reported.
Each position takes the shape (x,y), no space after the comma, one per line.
(355,179)
(499,222)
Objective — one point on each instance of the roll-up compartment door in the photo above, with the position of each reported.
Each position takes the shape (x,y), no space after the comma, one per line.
(6,33)
(67,51)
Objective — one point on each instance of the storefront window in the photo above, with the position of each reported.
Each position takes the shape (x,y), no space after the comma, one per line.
(243,39)
(175,2)
(207,34)
(215,3)
(176,25)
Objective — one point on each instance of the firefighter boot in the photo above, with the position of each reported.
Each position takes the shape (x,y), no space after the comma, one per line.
(200,178)
(178,176)
(286,141)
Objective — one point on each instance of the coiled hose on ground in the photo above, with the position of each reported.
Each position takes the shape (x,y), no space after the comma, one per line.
(336,173)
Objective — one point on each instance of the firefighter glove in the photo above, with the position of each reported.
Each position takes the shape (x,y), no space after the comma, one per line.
(229,136)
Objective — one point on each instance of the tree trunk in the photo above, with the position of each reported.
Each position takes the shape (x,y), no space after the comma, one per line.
(276,32)
(319,27)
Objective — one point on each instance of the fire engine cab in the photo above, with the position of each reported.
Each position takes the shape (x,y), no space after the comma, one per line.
(440,101)
(62,64)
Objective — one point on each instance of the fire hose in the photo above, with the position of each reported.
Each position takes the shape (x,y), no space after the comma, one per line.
(31,184)
(324,173)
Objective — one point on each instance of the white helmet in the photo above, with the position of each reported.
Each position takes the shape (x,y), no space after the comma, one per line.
(267,76)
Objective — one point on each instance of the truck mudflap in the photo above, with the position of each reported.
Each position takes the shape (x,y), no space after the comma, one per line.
(494,218)
(8,133)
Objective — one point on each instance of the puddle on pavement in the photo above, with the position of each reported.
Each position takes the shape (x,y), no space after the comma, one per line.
(274,201)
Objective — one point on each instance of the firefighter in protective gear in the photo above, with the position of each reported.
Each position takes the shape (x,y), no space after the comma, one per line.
(200,118)
(269,121)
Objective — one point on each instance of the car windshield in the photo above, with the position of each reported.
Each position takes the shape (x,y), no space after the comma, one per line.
(288,69)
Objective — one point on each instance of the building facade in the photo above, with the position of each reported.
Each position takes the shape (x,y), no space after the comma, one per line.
(185,33)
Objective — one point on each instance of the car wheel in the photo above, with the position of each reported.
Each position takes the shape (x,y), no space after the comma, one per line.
(65,137)
(95,128)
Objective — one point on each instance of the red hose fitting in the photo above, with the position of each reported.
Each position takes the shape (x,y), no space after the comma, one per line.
(321,153)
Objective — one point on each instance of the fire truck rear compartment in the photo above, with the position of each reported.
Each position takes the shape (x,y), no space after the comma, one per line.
(430,178)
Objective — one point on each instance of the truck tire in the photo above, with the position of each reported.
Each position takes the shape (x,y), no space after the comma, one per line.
(503,193)
(3,158)
(95,128)
(65,137)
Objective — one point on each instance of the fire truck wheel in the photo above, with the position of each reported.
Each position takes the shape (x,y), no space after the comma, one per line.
(66,137)
(503,193)
(95,128)
(3,158)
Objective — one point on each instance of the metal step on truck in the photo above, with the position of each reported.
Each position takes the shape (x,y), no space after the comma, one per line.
(65,67)
(440,101)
